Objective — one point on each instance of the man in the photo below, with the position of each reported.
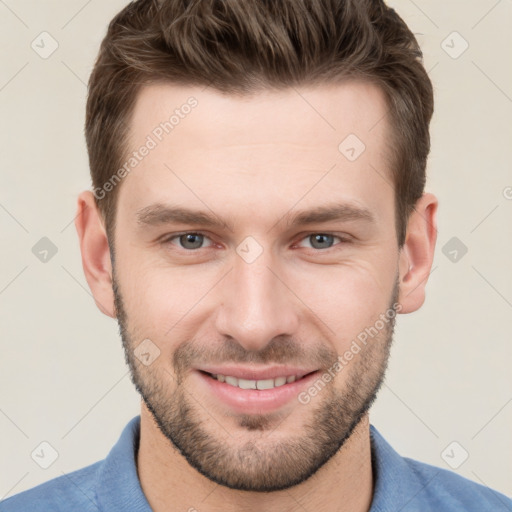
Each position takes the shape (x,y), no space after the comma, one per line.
(257,220)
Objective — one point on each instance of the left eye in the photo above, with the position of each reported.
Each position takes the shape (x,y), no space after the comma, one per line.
(190,241)
(322,240)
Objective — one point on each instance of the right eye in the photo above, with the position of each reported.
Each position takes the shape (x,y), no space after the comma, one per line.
(189,241)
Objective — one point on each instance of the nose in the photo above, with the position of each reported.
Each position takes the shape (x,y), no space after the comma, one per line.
(256,304)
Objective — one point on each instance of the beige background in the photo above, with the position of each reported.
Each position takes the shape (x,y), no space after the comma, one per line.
(62,374)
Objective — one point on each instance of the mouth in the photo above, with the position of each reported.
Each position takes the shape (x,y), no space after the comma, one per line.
(260,384)
(249,394)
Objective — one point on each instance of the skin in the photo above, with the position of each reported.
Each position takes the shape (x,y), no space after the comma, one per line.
(255,161)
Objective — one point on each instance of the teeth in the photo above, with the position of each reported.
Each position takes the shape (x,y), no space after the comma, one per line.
(265,384)
(232,381)
(280,381)
(246,384)
(255,384)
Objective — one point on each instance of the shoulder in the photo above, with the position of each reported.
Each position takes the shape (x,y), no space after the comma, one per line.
(71,491)
(408,485)
(444,490)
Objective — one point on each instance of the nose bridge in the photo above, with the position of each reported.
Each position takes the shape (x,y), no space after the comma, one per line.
(256,306)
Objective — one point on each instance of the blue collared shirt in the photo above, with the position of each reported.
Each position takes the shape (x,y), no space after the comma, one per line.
(400,484)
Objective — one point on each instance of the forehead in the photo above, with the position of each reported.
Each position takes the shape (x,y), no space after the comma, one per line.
(323,113)
(252,148)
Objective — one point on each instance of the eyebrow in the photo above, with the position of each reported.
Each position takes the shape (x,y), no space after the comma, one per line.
(332,212)
(160,214)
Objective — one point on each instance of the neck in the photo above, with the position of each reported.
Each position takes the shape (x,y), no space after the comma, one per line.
(344,483)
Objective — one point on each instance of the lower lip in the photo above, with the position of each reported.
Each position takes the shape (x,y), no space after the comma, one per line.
(254,401)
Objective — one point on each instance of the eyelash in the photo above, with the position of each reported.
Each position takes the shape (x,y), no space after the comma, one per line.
(342,240)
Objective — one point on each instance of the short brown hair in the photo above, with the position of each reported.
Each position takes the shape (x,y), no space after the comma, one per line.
(242,46)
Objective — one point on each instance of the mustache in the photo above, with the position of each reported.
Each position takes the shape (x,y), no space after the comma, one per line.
(280,350)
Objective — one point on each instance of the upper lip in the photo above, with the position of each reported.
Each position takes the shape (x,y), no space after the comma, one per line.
(254,373)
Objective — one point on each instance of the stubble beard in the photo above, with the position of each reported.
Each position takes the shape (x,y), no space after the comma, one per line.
(259,460)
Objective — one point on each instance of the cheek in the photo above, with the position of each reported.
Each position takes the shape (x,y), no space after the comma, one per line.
(347,298)
(164,303)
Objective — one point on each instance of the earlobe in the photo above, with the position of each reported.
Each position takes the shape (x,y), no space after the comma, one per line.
(417,254)
(95,252)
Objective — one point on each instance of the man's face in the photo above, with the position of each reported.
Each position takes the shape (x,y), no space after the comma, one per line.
(263,293)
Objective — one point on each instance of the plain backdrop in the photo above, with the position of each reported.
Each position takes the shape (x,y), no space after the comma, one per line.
(63,379)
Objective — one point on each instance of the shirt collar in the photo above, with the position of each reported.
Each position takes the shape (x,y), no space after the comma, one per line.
(118,483)
(395,484)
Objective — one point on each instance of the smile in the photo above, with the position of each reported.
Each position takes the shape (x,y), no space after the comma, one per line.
(256,391)
(255,384)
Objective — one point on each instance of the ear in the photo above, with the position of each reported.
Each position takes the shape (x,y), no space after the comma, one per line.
(417,253)
(95,253)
